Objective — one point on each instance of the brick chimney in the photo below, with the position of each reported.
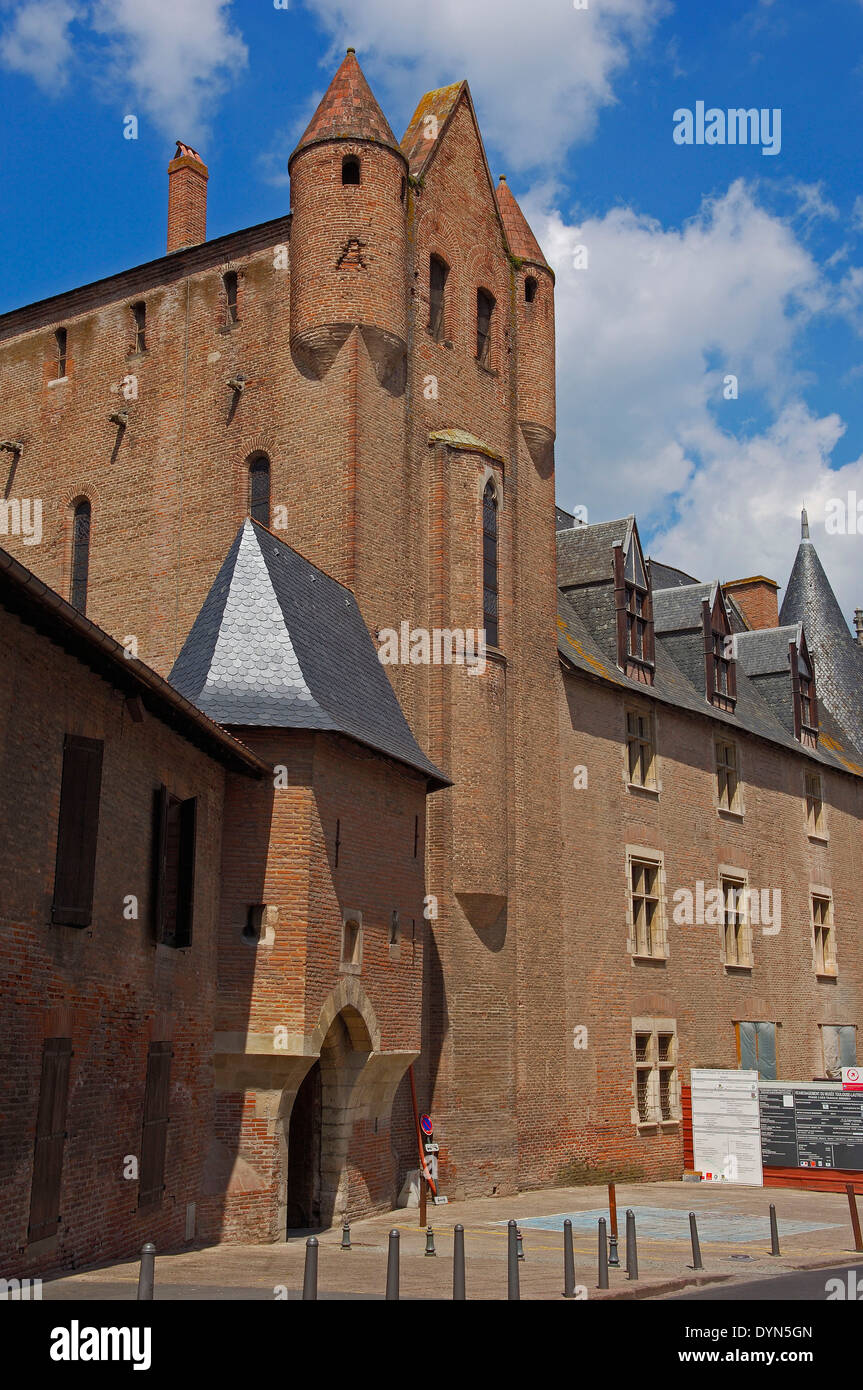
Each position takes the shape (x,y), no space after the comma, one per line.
(757,599)
(187,198)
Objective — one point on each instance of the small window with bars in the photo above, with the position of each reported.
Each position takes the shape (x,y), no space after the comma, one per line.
(737,939)
(728,777)
(640,748)
(823,936)
(815,806)
(656,1079)
(646,907)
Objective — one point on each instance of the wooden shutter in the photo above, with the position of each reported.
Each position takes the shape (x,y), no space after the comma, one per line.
(77,832)
(50,1139)
(188,816)
(154,1136)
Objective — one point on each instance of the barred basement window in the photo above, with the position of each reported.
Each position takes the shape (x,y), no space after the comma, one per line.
(737,939)
(643,1054)
(727,777)
(814,804)
(489,565)
(645,905)
(350,169)
(230,281)
(259,489)
(484,310)
(438,272)
(81,519)
(139,318)
(640,748)
(60,338)
(824,942)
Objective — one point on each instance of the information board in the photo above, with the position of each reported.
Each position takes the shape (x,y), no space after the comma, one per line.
(811,1126)
(726,1134)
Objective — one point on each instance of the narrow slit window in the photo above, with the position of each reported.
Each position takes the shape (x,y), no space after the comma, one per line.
(139,318)
(81,520)
(814,804)
(530,288)
(259,489)
(490,617)
(60,339)
(438,272)
(231,283)
(350,169)
(484,311)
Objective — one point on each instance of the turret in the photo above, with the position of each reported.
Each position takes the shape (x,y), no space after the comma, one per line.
(534,288)
(349,232)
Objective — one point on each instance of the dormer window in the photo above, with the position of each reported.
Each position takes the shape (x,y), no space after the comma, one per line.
(635,635)
(350,169)
(719,658)
(803,693)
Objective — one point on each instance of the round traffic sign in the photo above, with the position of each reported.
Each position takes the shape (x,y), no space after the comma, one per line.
(426,1124)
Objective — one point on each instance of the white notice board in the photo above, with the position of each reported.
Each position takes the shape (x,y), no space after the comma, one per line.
(726,1127)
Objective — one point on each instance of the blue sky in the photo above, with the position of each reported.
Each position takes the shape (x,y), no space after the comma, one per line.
(703,260)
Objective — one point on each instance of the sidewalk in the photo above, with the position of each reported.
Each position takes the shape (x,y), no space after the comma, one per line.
(733,1224)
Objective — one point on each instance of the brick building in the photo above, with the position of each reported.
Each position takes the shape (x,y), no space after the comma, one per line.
(251,461)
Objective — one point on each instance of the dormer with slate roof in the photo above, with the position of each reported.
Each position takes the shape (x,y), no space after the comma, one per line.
(778,664)
(602,571)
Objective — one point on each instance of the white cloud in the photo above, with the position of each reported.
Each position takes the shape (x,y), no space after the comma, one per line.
(37,43)
(646,335)
(539,75)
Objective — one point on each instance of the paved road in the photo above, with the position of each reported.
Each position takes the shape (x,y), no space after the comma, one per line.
(796,1285)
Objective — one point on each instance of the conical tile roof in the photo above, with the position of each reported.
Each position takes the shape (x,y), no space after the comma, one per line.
(348,111)
(838,658)
(280,644)
(522,242)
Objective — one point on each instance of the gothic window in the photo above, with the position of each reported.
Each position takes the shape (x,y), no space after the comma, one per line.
(259,489)
(80,555)
(484,311)
(350,169)
(489,565)
(438,272)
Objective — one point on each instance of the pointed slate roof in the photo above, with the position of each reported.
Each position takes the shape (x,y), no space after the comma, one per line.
(522,242)
(348,111)
(838,658)
(280,644)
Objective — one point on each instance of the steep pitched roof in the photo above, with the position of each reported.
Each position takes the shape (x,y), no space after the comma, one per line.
(521,240)
(584,553)
(427,124)
(838,658)
(280,644)
(348,111)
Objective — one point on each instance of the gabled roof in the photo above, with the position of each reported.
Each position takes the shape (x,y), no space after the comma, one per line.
(348,111)
(679,609)
(427,124)
(522,242)
(838,657)
(585,553)
(280,644)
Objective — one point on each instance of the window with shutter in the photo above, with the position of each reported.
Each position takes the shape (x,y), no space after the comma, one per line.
(154,1136)
(77,832)
(50,1139)
(173,874)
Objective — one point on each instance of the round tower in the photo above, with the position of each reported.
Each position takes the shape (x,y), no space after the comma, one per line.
(348,253)
(534,291)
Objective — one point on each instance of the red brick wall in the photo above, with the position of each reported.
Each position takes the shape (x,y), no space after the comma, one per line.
(107,986)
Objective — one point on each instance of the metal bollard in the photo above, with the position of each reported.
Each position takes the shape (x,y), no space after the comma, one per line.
(147,1272)
(696,1246)
(602,1282)
(855,1216)
(774,1231)
(430,1250)
(458,1262)
(393,1268)
(568,1261)
(512,1261)
(310,1275)
(346,1237)
(631,1246)
(519,1242)
(613,1257)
